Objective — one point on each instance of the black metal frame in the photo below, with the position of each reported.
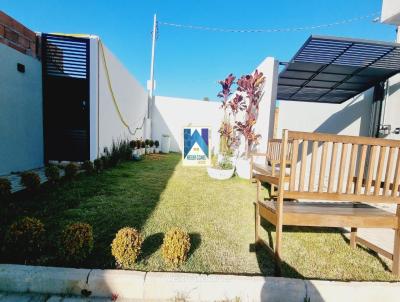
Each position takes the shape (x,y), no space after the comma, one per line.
(332,69)
(73,57)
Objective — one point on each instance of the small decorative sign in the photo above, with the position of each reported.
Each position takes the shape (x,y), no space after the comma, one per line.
(196,146)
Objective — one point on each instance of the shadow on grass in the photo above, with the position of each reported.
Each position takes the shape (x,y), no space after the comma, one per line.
(151,244)
(195,242)
(122,196)
(369,251)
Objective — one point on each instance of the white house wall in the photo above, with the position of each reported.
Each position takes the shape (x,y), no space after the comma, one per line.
(131,98)
(350,118)
(171,114)
(21,119)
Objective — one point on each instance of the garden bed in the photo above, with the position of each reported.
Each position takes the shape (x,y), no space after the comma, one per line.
(158,193)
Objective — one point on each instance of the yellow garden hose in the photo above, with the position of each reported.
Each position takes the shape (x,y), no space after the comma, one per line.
(112,92)
(108,81)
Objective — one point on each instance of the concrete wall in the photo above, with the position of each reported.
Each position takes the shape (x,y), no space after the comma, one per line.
(351,117)
(21,119)
(131,98)
(171,114)
(390,12)
(391,107)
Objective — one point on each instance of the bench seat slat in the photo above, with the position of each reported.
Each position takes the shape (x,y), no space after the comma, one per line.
(328,215)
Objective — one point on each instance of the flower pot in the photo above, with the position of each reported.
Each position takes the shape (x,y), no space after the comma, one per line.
(157,150)
(135,153)
(147,150)
(220,174)
(165,143)
(142,151)
(243,168)
(232,159)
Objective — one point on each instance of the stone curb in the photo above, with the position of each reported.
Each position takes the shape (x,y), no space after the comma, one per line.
(157,286)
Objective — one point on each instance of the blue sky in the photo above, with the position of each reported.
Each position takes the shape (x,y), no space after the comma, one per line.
(188,62)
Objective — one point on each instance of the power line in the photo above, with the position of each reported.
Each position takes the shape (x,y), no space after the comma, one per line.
(268,30)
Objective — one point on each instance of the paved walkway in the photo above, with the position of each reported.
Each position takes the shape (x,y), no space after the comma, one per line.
(9,297)
(15,178)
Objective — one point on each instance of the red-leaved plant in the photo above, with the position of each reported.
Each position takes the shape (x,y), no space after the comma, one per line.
(247,99)
(251,86)
(226,130)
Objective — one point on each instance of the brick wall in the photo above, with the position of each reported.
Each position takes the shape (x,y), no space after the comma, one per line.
(17,36)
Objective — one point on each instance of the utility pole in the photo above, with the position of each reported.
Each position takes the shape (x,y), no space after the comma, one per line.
(150,84)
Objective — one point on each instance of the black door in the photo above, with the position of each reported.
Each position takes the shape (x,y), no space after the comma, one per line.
(66,97)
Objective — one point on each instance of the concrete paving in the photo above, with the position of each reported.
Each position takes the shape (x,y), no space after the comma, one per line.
(13,297)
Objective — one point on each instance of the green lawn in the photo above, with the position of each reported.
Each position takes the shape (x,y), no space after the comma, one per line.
(158,193)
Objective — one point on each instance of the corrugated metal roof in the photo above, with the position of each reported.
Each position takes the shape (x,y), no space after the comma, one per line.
(332,70)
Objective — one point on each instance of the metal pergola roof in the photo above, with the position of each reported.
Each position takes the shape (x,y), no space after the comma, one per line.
(332,70)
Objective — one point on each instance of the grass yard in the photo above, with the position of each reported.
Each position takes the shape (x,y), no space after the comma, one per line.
(158,193)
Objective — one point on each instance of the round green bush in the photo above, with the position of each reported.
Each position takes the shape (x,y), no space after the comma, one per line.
(176,246)
(126,247)
(71,170)
(52,173)
(24,240)
(88,166)
(132,144)
(30,180)
(5,188)
(98,165)
(76,242)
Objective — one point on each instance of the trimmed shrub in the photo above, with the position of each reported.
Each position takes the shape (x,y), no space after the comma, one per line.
(52,173)
(138,143)
(157,144)
(126,247)
(132,144)
(76,242)
(142,144)
(24,239)
(176,246)
(106,161)
(5,188)
(151,143)
(147,142)
(30,180)
(71,170)
(88,166)
(98,164)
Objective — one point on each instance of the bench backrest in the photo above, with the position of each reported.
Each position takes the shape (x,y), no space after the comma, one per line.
(339,167)
(274,149)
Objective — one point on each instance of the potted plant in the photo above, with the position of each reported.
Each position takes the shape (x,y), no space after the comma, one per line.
(250,86)
(142,147)
(157,145)
(221,170)
(165,143)
(147,146)
(151,144)
(133,146)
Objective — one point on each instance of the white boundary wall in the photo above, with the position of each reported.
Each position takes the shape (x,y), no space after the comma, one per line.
(21,117)
(351,117)
(131,97)
(171,114)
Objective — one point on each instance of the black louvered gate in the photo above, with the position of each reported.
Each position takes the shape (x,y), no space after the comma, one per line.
(66,97)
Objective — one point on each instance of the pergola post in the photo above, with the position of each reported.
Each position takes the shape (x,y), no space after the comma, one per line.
(265,121)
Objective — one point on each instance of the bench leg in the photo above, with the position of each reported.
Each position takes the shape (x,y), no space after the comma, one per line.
(278,242)
(257,222)
(353,237)
(396,253)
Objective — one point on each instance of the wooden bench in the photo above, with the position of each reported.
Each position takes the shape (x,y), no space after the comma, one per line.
(350,172)
(270,166)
